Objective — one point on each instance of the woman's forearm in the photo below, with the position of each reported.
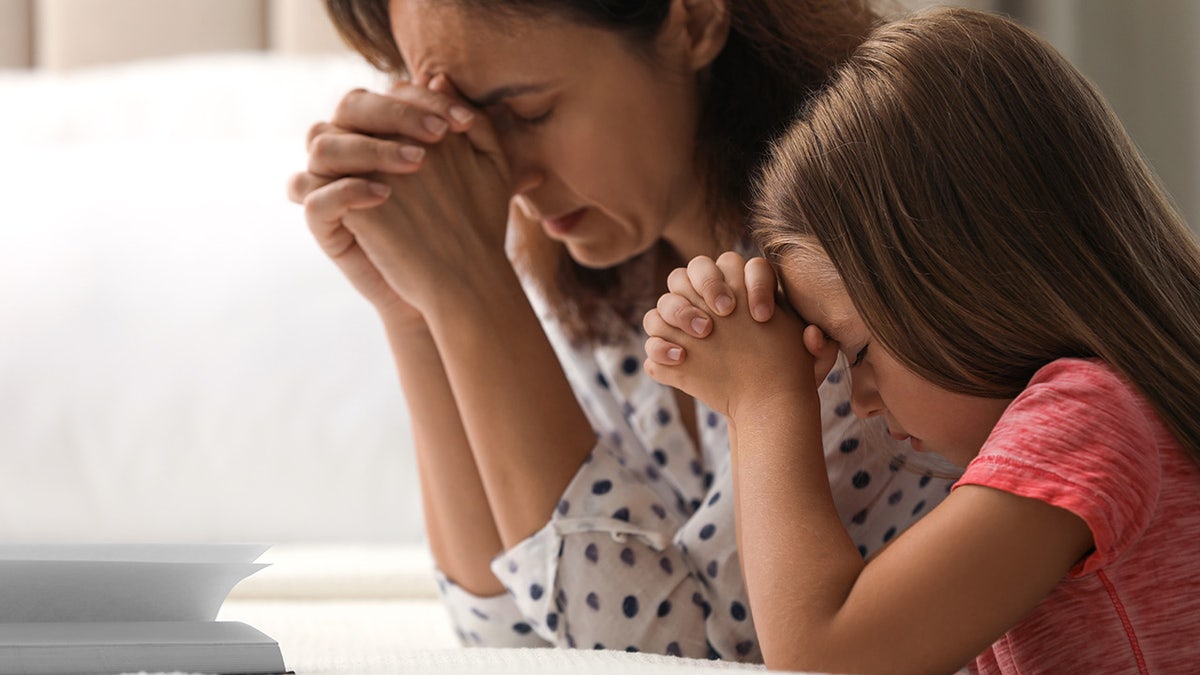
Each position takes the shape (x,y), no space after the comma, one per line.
(458,520)
(518,410)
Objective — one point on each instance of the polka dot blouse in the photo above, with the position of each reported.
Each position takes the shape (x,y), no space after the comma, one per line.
(641,554)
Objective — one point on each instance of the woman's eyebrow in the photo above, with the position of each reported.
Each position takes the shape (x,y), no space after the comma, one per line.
(508,91)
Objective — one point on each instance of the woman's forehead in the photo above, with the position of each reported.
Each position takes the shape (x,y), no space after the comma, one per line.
(476,47)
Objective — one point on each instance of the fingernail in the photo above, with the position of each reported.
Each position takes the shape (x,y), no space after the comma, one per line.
(435,125)
(674,353)
(699,325)
(461,114)
(760,312)
(412,153)
(724,304)
(380,189)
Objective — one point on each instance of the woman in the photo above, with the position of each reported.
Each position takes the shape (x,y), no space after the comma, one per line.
(568,498)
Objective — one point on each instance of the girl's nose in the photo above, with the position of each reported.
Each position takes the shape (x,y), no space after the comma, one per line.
(864,397)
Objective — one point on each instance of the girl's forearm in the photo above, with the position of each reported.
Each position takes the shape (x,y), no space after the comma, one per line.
(528,432)
(798,560)
(458,519)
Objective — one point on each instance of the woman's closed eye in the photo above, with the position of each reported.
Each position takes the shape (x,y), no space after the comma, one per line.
(532,121)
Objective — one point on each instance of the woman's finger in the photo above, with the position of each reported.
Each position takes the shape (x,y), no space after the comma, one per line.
(325,207)
(481,134)
(302,183)
(338,153)
(679,283)
(760,289)
(681,314)
(406,110)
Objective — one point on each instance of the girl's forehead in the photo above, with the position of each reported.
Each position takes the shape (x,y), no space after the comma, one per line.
(813,288)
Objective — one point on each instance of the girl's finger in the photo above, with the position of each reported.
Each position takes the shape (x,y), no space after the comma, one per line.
(710,282)
(823,350)
(664,353)
(678,312)
(339,153)
(760,289)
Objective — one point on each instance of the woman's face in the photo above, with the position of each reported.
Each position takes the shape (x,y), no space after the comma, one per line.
(931,418)
(600,138)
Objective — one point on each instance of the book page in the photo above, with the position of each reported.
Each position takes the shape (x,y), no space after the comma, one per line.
(119,582)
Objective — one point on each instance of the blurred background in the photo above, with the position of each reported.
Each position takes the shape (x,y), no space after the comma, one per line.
(178,362)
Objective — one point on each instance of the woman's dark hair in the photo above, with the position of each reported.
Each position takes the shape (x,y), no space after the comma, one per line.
(777,53)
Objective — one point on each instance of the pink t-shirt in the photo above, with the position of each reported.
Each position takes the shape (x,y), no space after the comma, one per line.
(1082,439)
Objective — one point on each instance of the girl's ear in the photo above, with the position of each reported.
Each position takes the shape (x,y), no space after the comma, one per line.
(706,26)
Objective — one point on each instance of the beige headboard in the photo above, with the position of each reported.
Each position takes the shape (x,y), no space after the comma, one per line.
(64,34)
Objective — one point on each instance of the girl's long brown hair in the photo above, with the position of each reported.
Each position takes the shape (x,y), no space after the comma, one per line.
(777,53)
(988,214)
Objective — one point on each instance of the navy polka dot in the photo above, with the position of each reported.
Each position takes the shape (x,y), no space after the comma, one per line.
(712,419)
(512,566)
(924,481)
(522,628)
(627,556)
(713,654)
(664,608)
(696,467)
(591,552)
(708,531)
(593,601)
(570,641)
(673,649)
(712,569)
(552,621)
(887,536)
(658,510)
(708,480)
(895,497)
(627,409)
(621,514)
(562,544)
(665,564)
(601,487)
(738,611)
(660,456)
(700,602)
(743,648)
(563,507)
(835,376)
(560,601)
(848,445)
(896,464)
(859,518)
(861,479)
(630,606)
(843,409)
(535,592)
(477,612)
(652,472)
(664,416)
(602,380)
(862,550)
(630,365)
(631,649)
(713,499)
(695,504)
(917,509)
(598,646)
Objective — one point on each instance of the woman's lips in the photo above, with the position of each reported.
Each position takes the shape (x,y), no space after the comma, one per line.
(563,224)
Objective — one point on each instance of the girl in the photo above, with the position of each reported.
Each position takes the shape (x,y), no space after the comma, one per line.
(569,499)
(962,217)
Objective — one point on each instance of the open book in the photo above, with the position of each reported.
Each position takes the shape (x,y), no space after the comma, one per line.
(115,608)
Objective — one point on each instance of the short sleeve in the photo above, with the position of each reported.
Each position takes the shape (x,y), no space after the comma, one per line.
(1078,438)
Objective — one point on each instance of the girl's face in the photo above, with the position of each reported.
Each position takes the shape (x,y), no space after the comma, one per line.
(599,137)
(932,419)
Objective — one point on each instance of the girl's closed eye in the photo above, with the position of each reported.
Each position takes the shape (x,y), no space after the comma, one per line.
(858,357)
